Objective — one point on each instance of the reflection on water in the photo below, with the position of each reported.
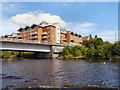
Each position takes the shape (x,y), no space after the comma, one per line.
(36,73)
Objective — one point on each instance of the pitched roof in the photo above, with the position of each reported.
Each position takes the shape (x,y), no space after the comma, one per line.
(20,29)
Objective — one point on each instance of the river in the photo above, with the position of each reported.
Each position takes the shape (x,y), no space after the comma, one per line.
(59,73)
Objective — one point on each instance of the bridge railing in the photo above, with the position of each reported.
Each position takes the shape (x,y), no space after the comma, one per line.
(49,43)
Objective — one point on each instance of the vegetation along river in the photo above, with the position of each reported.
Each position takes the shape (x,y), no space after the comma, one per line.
(59,73)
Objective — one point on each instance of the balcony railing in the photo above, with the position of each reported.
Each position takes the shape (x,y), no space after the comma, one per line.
(19,37)
(33,34)
(64,40)
(72,40)
(44,33)
(34,38)
(44,37)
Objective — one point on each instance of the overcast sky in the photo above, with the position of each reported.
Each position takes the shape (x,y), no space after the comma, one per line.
(82,17)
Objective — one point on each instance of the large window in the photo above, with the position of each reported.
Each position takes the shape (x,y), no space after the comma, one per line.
(53,32)
(53,35)
(53,39)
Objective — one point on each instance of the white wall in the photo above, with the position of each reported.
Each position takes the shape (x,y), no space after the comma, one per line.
(57,34)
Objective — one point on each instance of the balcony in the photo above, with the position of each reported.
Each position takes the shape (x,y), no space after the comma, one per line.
(64,40)
(19,37)
(44,33)
(33,34)
(44,37)
(72,40)
(34,38)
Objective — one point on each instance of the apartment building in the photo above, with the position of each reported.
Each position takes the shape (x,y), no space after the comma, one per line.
(42,33)
(11,37)
(69,37)
(46,33)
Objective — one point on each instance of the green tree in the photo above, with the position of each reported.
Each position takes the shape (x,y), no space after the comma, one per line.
(90,37)
(99,52)
(116,48)
(65,52)
(90,52)
(76,51)
(96,36)
(107,51)
(86,43)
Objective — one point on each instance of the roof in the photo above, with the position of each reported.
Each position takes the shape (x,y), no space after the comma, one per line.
(85,37)
(33,25)
(20,29)
(26,27)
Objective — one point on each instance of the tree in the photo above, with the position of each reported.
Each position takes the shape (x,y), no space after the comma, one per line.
(65,52)
(90,37)
(116,48)
(86,43)
(98,41)
(76,51)
(96,36)
(99,52)
(108,51)
(90,52)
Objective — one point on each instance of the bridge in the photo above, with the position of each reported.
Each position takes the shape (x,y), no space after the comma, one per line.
(44,50)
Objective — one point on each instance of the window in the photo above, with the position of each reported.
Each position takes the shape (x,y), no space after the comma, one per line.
(48,31)
(28,37)
(25,34)
(48,35)
(49,39)
(48,27)
(53,35)
(53,32)
(53,39)
(28,33)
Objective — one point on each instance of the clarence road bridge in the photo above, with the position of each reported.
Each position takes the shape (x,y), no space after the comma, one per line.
(44,50)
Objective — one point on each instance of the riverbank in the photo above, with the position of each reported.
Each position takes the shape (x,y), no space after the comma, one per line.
(15,55)
(82,58)
(93,49)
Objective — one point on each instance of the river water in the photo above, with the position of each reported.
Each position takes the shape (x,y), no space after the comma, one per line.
(59,73)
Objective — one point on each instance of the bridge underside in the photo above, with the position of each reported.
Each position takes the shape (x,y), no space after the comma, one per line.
(42,51)
(24,47)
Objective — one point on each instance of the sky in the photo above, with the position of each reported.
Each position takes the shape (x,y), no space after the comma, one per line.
(85,18)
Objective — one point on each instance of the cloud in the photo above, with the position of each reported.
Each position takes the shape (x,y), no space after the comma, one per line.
(108,35)
(36,18)
(8,27)
(86,24)
(84,28)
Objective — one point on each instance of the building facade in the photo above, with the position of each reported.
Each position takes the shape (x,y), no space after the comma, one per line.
(47,33)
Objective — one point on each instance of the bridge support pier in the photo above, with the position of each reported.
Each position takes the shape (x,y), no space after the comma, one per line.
(44,55)
(48,55)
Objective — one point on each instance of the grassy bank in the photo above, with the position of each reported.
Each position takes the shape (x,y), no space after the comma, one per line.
(17,55)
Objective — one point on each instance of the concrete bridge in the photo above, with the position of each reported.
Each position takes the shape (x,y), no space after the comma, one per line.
(44,50)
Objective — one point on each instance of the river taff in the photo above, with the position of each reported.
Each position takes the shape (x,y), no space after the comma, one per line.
(59,73)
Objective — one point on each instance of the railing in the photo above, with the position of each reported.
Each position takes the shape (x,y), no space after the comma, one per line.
(44,33)
(40,42)
(44,37)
